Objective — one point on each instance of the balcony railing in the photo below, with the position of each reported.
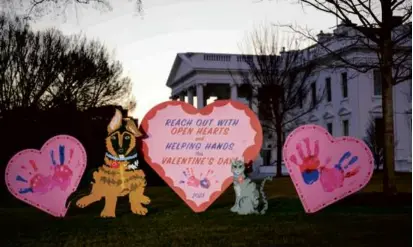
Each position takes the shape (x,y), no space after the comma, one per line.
(216,57)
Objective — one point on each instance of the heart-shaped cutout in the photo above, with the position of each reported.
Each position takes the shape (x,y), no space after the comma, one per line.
(325,169)
(46,178)
(192,149)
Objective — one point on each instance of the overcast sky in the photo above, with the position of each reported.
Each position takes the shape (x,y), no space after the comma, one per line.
(147,46)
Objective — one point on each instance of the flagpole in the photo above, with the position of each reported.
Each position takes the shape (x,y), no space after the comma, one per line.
(336,13)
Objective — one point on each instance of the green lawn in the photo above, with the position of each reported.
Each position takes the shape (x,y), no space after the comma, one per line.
(365,219)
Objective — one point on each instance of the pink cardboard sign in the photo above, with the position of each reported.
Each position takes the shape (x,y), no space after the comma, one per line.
(192,149)
(46,178)
(325,169)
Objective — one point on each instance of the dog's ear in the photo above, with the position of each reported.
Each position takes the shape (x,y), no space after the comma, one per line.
(131,127)
(116,122)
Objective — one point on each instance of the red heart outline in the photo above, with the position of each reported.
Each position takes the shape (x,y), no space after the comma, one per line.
(332,140)
(41,152)
(249,154)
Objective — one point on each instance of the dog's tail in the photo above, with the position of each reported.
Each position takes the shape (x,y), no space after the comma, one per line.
(263,197)
(74,197)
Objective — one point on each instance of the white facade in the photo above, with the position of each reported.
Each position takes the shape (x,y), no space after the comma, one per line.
(203,76)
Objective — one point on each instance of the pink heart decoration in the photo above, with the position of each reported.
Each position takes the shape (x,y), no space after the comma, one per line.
(213,136)
(46,178)
(325,169)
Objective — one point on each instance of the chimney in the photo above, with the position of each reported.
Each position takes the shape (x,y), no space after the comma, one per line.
(323,37)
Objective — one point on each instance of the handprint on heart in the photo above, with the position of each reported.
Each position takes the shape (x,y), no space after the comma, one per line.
(62,174)
(333,178)
(40,183)
(312,170)
(309,167)
(191,180)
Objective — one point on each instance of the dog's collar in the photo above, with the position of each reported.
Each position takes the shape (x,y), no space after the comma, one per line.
(122,159)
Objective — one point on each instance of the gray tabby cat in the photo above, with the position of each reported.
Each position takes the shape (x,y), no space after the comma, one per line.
(247,194)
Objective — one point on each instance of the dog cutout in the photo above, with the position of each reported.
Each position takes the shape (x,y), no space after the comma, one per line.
(119,176)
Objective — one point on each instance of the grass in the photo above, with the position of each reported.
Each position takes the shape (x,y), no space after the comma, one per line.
(364,219)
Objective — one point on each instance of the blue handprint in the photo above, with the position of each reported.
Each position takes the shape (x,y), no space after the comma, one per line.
(345,156)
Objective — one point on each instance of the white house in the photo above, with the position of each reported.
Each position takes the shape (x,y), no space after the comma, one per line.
(352,99)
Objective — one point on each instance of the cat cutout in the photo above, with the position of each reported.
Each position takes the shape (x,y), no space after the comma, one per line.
(246,191)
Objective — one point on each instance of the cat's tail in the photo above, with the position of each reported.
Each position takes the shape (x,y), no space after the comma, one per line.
(263,197)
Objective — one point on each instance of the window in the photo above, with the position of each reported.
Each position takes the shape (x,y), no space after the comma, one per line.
(301,98)
(345,128)
(264,105)
(379,131)
(330,128)
(328,88)
(344,88)
(266,157)
(377,82)
(313,94)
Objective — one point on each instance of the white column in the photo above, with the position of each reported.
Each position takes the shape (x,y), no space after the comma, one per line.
(182,97)
(190,96)
(234,91)
(200,95)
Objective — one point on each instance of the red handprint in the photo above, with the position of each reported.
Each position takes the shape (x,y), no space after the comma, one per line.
(62,174)
(38,183)
(310,163)
(191,180)
(42,183)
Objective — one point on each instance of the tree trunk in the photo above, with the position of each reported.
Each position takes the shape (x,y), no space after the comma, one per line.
(389,185)
(278,129)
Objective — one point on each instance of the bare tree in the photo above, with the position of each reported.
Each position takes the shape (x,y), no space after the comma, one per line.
(89,77)
(28,63)
(34,9)
(281,79)
(374,140)
(47,70)
(379,28)
(375,143)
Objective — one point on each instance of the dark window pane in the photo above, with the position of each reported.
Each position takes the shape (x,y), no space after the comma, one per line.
(313,93)
(266,157)
(377,82)
(344,88)
(379,131)
(301,98)
(345,128)
(330,128)
(328,89)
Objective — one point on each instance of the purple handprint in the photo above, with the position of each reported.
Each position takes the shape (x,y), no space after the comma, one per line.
(333,178)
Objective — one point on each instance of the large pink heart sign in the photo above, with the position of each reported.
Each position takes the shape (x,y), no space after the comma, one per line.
(325,169)
(192,149)
(46,178)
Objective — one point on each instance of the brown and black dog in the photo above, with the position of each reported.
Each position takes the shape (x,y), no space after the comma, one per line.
(119,176)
